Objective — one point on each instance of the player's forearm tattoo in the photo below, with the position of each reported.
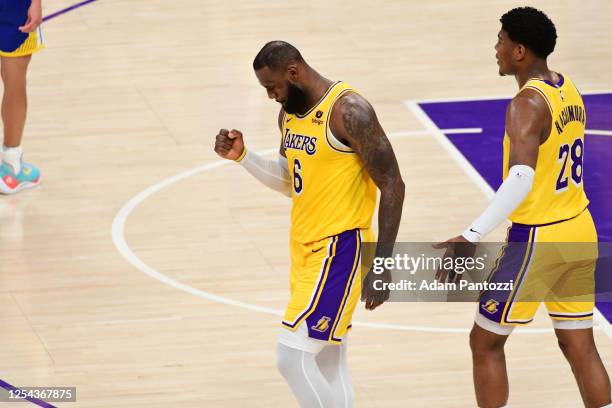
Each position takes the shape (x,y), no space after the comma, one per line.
(371,144)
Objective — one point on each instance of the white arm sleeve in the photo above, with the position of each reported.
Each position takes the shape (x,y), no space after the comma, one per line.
(510,195)
(274,174)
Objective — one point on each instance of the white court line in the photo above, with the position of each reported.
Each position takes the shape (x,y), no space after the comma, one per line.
(413,106)
(598,132)
(460,131)
(450,148)
(600,318)
(118,236)
(463,131)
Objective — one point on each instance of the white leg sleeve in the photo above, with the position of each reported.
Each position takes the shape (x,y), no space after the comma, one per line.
(274,174)
(300,370)
(333,365)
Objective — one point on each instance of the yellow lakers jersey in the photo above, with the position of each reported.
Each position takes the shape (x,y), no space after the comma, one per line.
(558,189)
(332,191)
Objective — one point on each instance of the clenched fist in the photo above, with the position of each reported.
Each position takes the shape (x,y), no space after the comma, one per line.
(229,144)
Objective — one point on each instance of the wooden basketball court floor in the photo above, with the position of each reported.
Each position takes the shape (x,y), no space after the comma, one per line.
(169,296)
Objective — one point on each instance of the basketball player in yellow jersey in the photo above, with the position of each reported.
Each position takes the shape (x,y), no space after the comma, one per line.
(543,195)
(20,37)
(333,155)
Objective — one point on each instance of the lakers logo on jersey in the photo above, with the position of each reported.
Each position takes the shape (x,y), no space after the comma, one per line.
(491,306)
(300,142)
(322,325)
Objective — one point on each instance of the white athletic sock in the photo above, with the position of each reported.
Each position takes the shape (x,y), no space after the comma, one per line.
(300,370)
(333,365)
(12,157)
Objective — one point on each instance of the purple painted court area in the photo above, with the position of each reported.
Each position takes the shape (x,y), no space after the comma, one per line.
(484,152)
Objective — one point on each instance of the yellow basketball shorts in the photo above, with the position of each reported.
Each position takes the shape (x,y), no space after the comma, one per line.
(325,284)
(32,43)
(554,263)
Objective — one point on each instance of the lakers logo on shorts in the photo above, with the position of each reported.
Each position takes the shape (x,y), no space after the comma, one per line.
(322,325)
(490,306)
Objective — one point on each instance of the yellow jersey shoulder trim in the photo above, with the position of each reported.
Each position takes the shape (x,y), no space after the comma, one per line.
(332,141)
(542,94)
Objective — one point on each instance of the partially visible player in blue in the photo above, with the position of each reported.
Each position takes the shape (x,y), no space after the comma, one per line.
(543,195)
(20,37)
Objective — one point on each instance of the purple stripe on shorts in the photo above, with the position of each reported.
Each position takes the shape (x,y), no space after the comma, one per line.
(523,275)
(350,285)
(571,316)
(493,302)
(320,322)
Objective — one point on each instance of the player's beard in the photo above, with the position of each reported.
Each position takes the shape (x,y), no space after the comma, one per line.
(297,100)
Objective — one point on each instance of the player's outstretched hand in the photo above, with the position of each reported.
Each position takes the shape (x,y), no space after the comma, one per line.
(455,247)
(229,144)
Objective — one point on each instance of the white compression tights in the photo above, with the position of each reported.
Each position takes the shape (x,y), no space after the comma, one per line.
(317,380)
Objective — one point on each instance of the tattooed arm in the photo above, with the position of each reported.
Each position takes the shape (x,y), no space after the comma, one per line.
(354,122)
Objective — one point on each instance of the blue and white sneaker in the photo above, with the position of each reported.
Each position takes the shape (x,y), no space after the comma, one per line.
(11,183)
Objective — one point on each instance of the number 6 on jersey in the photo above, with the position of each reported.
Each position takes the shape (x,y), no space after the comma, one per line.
(297,176)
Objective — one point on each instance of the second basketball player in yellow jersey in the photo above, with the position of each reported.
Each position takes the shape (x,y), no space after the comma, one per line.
(333,156)
(543,195)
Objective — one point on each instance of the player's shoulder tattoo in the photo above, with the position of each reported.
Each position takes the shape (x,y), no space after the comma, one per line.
(358,117)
